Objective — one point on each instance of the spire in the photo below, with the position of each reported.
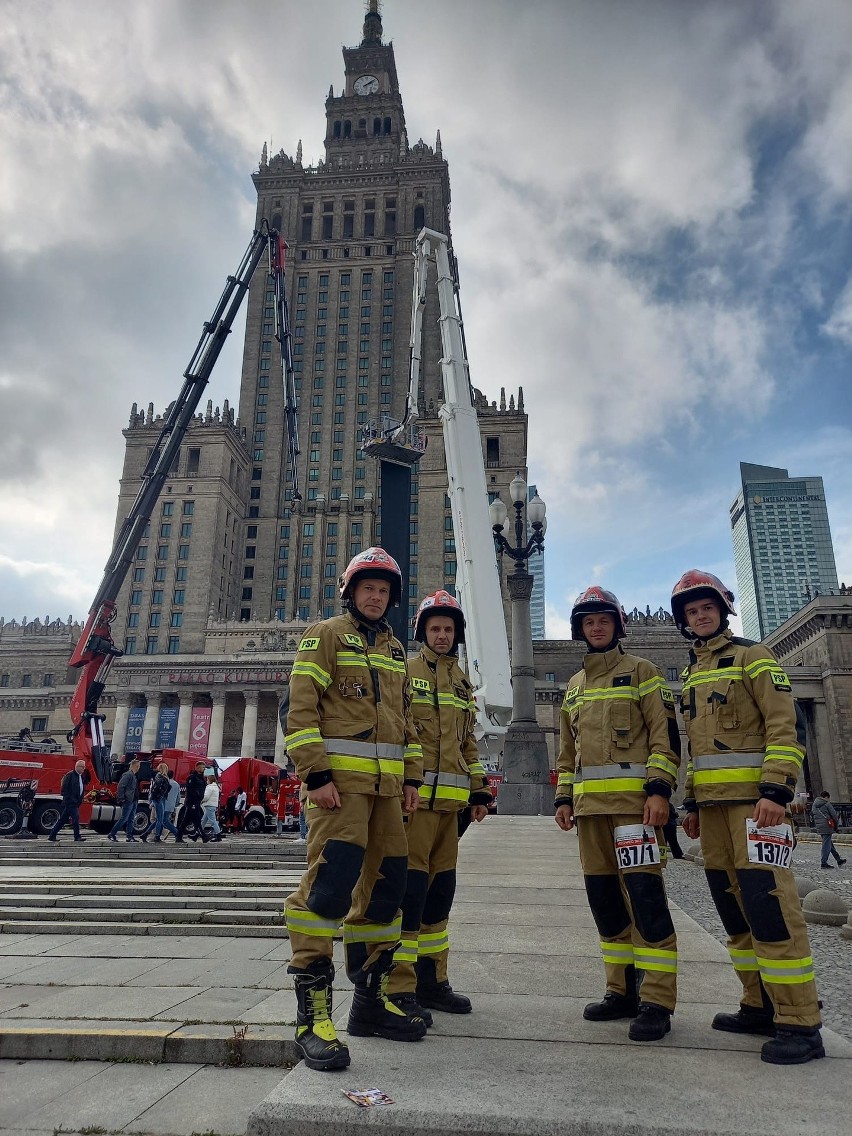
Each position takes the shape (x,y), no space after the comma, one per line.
(521,399)
(372,24)
(439,153)
(299,153)
(264,157)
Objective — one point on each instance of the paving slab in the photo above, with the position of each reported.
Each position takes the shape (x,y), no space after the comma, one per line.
(27,1086)
(210,1100)
(107,1002)
(221,1005)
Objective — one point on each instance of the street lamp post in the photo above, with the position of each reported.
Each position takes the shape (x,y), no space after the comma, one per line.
(525,790)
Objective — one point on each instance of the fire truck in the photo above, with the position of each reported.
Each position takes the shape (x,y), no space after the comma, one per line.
(30,772)
(261,781)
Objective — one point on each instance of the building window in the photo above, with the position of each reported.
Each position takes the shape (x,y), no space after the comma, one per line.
(151,645)
(154,619)
(47,679)
(4,680)
(193,461)
(183,552)
(130,645)
(180,575)
(133,619)
(38,725)
(142,552)
(138,575)
(174,644)
(178,596)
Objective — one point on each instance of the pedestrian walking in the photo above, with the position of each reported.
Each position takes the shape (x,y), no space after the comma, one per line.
(73,787)
(126,796)
(209,805)
(161,788)
(825,823)
(444,714)
(240,806)
(746,757)
(173,799)
(192,812)
(348,728)
(618,763)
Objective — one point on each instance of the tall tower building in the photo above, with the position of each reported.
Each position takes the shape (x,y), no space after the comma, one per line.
(535,566)
(782,546)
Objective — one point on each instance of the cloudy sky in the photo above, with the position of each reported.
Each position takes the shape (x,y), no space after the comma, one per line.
(650,209)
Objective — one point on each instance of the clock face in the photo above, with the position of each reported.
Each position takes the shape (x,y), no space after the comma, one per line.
(366,85)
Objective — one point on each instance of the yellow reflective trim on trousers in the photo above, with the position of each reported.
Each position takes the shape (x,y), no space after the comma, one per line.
(786,972)
(617,954)
(371,765)
(306,923)
(443,793)
(311,670)
(406,951)
(372,932)
(725,776)
(743,960)
(433,943)
(657,761)
(650,958)
(302,737)
(609,785)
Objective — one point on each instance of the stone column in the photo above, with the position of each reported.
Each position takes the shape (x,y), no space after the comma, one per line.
(119,726)
(280,752)
(152,721)
(184,721)
(247,745)
(217,724)
(526,789)
(821,762)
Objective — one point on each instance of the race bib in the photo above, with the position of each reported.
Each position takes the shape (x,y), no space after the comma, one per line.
(772,846)
(636,846)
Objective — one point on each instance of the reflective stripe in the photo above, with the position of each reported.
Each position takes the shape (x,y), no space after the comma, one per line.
(759,666)
(721,776)
(433,943)
(446,786)
(350,659)
(406,951)
(785,753)
(652,684)
(609,693)
(786,972)
(369,765)
(564,779)
(457,779)
(385,664)
(372,932)
(365,757)
(445,699)
(621,785)
(649,958)
(443,793)
(364,749)
(617,954)
(731,760)
(311,670)
(302,737)
(413,752)
(306,923)
(657,761)
(600,772)
(701,678)
(477,768)
(743,960)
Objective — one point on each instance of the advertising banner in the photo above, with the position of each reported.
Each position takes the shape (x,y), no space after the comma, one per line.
(167,727)
(199,729)
(135,726)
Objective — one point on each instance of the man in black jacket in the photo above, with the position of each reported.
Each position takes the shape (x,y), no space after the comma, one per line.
(195,786)
(73,787)
(126,796)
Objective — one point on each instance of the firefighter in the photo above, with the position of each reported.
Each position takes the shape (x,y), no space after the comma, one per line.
(348,729)
(444,714)
(745,759)
(618,764)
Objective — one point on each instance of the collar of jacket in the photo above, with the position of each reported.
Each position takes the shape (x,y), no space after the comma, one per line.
(719,642)
(361,624)
(433,658)
(598,663)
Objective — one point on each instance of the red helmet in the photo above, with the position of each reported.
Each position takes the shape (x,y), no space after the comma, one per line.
(696,585)
(597,599)
(439,603)
(375,564)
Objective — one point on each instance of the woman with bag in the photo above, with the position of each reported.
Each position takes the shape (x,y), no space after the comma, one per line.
(825,823)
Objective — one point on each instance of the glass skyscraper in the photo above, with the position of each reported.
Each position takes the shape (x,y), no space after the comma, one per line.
(782,546)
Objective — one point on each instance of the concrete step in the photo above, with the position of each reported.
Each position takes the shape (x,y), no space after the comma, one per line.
(135,902)
(111,915)
(156,858)
(80,927)
(116,888)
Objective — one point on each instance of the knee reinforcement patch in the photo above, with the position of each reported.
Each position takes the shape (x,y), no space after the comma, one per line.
(650,907)
(762,908)
(415,900)
(389,890)
(732,917)
(607,903)
(439,898)
(331,893)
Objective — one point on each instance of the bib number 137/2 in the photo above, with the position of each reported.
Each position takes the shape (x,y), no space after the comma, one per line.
(636,846)
(772,846)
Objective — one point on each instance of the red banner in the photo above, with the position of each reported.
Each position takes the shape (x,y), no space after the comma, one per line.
(199,729)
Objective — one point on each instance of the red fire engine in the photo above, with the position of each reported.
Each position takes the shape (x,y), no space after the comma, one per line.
(30,772)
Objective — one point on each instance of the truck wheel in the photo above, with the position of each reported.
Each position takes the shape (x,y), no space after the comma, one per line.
(254,824)
(142,822)
(45,817)
(11,817)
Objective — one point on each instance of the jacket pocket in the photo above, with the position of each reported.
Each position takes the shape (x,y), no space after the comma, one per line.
(724,699)
(620,721)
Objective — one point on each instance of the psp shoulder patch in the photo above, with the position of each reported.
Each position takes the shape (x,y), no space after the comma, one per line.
(309,644)
(421,684)
(780,680)
(571,696)
(667,695)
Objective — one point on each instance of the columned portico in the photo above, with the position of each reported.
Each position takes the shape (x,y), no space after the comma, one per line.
(249,739)
(119,728)
(184,721)
(217,724)
(280,748)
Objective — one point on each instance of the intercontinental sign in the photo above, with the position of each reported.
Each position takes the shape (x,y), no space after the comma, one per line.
(757,500)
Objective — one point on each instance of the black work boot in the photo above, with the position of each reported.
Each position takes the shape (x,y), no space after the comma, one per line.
(613,1007)
(372,1014)
(651,1023)
(793,1047)
(408,1003)
(438,995)
(316,1037)
(747,1019)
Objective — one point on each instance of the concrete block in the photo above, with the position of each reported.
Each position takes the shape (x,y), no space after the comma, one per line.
(232,1045)
(805,887)
(38,1039)
(824,906)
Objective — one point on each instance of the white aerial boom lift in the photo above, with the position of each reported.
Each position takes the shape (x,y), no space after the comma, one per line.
(477,579)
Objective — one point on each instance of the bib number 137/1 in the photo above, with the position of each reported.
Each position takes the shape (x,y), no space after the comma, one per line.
(636,845)
(772,846)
